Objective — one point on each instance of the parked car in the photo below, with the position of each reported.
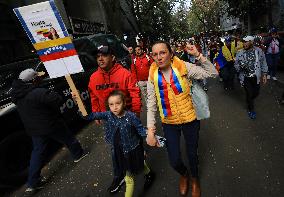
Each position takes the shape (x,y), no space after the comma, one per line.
(15,145)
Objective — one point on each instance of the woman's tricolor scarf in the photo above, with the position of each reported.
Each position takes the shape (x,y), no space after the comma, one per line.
(161,88)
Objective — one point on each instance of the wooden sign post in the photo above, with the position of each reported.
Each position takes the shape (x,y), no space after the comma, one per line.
(78,98)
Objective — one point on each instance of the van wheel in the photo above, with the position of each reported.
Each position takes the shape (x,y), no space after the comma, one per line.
(15,152)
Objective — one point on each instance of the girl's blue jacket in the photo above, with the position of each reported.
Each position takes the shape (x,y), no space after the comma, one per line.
(130,127)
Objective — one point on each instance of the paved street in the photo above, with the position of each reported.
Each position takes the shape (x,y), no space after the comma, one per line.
(238,156)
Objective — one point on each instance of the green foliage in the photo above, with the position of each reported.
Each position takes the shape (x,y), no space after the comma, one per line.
(204,15)
(180,25)
(157,19)
(195,25)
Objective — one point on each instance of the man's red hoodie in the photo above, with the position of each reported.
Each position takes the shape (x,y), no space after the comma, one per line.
(140,67)
(117,78)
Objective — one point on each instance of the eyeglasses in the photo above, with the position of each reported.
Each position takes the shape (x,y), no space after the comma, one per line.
(160,54)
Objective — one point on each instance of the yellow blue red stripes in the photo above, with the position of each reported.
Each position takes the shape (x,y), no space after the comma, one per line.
(158,92)
(161,89)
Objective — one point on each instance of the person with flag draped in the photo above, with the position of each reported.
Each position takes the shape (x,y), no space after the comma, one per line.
(168,88)
(219,59)
(228,71)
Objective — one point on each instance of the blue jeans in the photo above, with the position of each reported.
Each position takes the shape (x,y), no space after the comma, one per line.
(272,62)
(191,135)
(39,149)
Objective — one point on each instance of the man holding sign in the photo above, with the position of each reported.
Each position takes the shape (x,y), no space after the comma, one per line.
(39,109)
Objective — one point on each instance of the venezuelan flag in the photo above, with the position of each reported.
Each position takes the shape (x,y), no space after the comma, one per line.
(55,49)
(220,59)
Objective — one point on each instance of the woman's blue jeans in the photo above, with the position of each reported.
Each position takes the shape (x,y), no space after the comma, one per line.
(190,132)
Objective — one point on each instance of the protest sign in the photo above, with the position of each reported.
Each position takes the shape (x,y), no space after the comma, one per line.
(48,34)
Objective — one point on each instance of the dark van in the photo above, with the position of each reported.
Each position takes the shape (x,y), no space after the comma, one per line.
(15,145)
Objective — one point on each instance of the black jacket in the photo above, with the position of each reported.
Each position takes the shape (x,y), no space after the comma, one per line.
(39,108)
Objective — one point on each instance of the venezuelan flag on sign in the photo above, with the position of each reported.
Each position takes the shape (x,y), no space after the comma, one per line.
(55,49)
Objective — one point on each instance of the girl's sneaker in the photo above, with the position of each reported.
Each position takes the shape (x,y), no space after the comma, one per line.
(116,184)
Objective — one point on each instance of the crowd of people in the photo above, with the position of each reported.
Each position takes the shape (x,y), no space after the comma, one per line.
(247,59)
(164,77)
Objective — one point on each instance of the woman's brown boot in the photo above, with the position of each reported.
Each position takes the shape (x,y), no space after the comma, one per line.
(183,185)
(195,187)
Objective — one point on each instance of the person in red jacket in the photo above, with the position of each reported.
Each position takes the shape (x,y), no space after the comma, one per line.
(140,69)
(111,75)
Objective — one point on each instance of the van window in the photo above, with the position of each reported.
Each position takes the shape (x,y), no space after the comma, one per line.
(86,53)
(10,72)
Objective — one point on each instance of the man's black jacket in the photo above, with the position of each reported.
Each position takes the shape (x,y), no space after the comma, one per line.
(39,108)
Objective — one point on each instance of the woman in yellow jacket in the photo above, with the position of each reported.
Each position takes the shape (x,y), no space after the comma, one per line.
(168,88)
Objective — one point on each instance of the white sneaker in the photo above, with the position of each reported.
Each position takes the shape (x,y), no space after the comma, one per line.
(274,78)
(268,77)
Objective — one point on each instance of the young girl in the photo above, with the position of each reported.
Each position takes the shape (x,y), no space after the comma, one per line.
(125,139)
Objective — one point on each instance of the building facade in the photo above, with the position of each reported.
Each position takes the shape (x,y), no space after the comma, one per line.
(256,23)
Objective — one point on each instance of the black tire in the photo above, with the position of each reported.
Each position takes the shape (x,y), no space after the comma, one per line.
(15,152)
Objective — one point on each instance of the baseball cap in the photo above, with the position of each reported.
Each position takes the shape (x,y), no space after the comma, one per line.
(248,38)
(104,49)
(30,74)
